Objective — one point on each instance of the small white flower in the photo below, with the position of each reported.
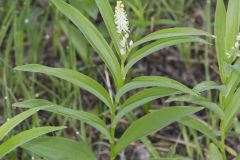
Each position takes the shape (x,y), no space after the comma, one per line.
(6,97)
(238,37)
(47,36)
(236,45)
(123,42)
(130,43)
(122,51)
(228,55)
(26,21)
(121,20)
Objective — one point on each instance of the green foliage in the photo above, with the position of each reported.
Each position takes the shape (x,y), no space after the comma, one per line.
(126,94)
(162,86)
(23,137)
(57,148)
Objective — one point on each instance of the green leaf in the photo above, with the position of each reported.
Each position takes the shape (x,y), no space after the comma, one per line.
(77,39)
(88,6)
(13,122)
(155,46)
(199,125)
(73,77)
(108,17)
(220,29)
(143,97)
(209,85)
(153,122)
(199,100)
(86,117)
(153,81)
(58,148)
(232,109)
(214,153)
(232,23)
(170,33)
(93,36)
(24,137)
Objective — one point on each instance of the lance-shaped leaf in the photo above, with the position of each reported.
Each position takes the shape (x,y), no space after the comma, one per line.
(153,81)
(199,100)
(143,97)
(155,46)
(232,23)
(220,29)
(201,126)
(58,148)
(93,36)
(108,17)
(86,117)
(13,122)
(169,33)
(151,123)
(209,85)
(214,153)
(24,137)
(73,77)
(232,109)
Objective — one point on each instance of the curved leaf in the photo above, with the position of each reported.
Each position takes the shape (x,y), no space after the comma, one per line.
(199,125)
(108,17)
(58,148)
(232,109)
(24,137)
(93,36)
(219,29)
(80,115)
(171,32)
(209,85)
(214,153)
(13,122)
(152,122)
(155,46)
(71,76)
(77,39)
(143,97)
(200,101)
(153,81)
(232,23)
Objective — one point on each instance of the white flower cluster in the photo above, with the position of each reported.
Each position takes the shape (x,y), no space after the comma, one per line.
(121,18)
(235,48)
(122,25)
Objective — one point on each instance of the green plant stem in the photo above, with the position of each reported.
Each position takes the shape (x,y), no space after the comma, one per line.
(223,141)
(112,142)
